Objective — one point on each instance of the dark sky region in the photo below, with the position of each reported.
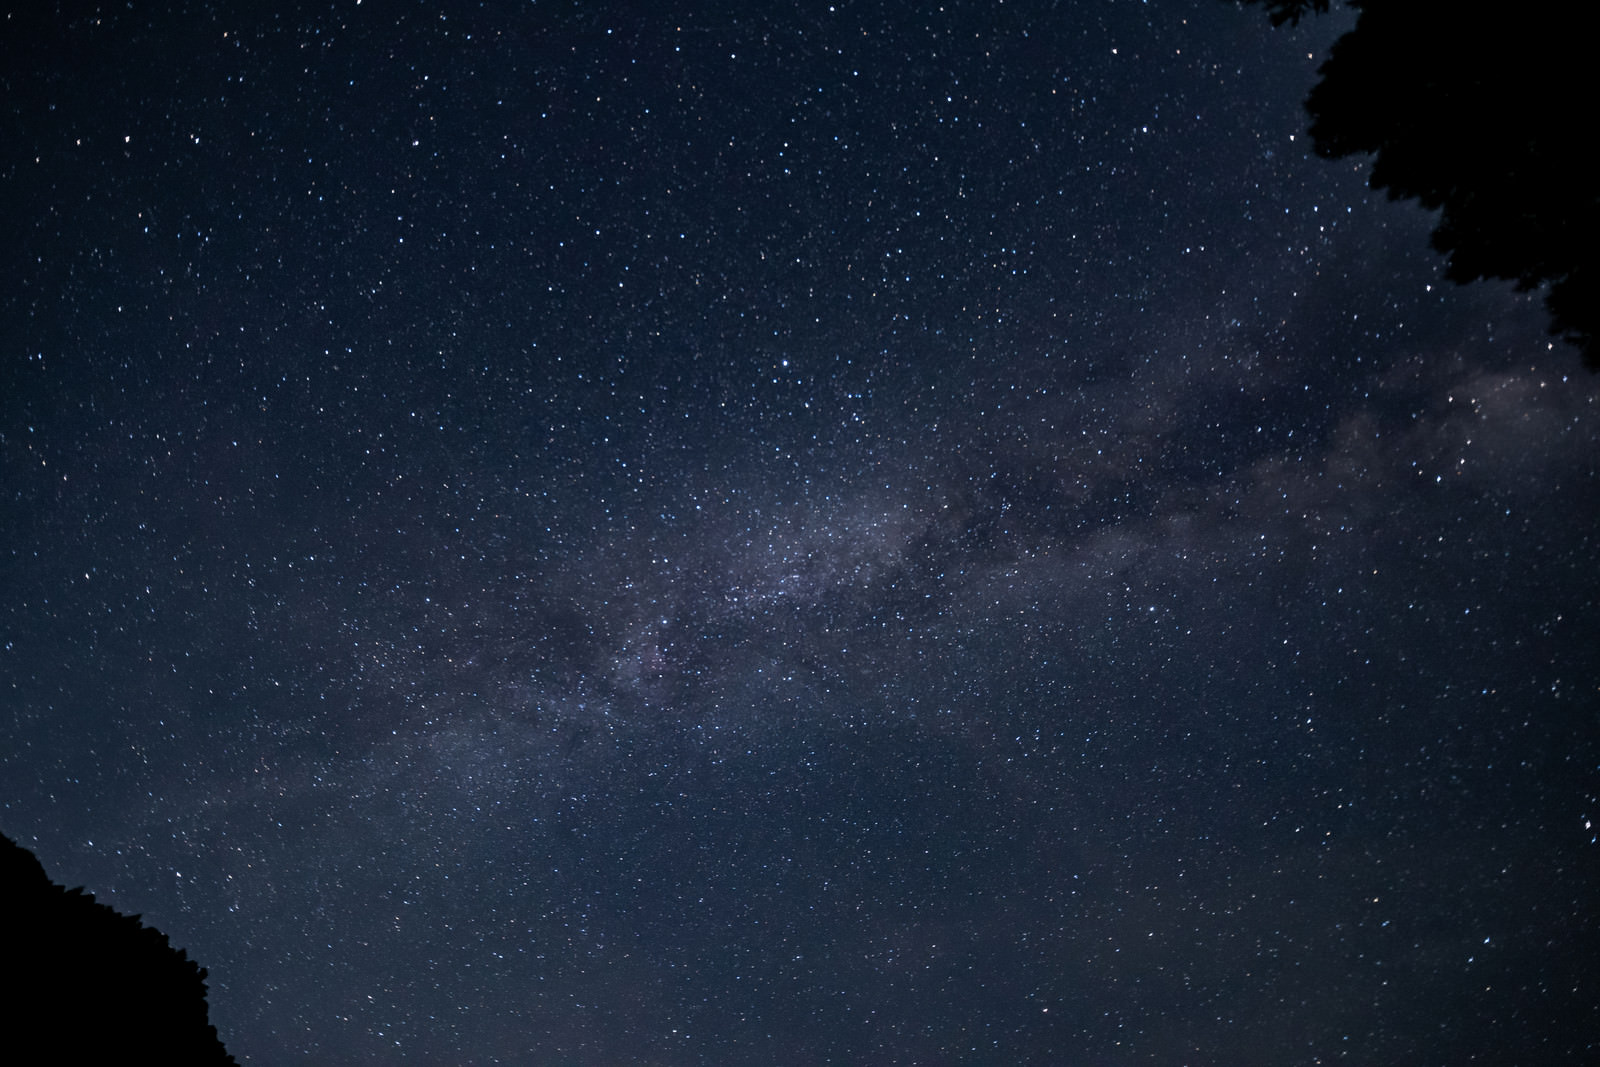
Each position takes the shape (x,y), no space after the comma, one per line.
(804,533)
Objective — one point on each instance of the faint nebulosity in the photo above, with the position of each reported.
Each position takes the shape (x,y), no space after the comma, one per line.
(594,534)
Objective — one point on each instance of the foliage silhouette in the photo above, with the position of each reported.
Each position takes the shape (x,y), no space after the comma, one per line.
(91,985)
(1290,11)
(1476,112)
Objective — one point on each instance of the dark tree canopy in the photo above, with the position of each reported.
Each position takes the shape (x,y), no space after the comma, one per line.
(1290,11)
(91,985)
(1478,112)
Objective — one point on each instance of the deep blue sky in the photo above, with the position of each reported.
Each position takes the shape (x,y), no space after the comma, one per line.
(583,534)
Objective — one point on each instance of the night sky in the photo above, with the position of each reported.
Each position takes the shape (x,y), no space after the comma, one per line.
(585,534)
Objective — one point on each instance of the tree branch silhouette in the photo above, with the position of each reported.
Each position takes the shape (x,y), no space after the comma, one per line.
(1476,112)
(91,985)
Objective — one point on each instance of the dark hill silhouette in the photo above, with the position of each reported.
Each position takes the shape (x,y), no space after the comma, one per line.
(1479,111)
(88,984)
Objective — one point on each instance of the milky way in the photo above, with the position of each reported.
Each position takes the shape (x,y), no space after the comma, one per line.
(858,534)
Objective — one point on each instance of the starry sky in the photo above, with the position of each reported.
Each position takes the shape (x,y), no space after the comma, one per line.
(591,534)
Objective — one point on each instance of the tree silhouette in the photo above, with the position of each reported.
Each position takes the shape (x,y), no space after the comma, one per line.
(1290,11)
(1477,111)
(88,984)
